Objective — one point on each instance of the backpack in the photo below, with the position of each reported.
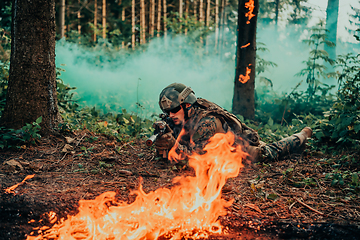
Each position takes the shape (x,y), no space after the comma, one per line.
(229,119)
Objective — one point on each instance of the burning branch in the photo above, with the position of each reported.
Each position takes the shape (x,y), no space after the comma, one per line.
(250,5)
(12,188)
(244,79)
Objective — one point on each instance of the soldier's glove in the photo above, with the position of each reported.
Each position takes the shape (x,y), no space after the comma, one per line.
(165,142)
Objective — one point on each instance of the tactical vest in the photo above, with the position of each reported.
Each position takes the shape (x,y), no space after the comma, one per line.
(227,119)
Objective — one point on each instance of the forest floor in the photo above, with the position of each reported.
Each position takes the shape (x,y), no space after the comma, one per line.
(289,199)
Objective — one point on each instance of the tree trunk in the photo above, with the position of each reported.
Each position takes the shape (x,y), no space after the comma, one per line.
(165,13)
(104,19)
(225,22)
(201,11)
(32,77)
(195,9)
(133,24)
(78,14)
(180,8)
(95,20)
(62,19)
(158,19)
(216,23)
(123,20)
(332,13)
(152,17)
(180,11)
(208,7)
(186,15)
(222,27)
(277,2)
(142,22)
(244,89)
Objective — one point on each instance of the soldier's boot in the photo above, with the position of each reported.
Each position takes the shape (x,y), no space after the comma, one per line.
(255,154)
(304,135)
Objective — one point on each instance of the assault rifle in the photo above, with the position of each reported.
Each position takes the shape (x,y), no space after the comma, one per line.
(161,127)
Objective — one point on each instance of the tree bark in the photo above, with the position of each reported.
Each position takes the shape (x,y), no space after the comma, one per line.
(158,19)
(123,20)
(32,77)
(104,19)
(78,14)
(152,17)
(244,87)
(186,15)
(195,9)
(332,13)
(165,13)
(216,23)
(133,24)
(208,7)
(95,20)
(222,27)
(277,4)
(180,11)
(180,8)
(142,22)
(62,19)
(201,11)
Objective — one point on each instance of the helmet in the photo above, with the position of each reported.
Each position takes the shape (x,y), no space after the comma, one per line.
(174,95)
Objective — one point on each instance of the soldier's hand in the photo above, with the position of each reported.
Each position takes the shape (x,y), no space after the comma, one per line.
(166,141)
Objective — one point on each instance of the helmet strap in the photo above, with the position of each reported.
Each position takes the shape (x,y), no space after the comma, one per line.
(186,111)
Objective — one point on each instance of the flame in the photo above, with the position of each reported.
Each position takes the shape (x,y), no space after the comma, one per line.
(244,79)
(248,44)
(189,209)
(12,188)
(250,5)
(173,155)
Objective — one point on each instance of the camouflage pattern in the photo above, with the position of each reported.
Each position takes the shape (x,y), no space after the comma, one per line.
(281,149)
(197,132)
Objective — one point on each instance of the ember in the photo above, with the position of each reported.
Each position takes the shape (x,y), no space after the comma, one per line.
(246,45)
(244,79)
(12,188)
(250,5)
(189,209)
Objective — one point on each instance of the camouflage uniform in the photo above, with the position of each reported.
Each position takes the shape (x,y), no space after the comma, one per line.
(205,122)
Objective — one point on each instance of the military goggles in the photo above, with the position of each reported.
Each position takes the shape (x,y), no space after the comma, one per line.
(174,110)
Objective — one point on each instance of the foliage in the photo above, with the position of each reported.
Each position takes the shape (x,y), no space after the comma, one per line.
(5,44)
(10,138)
(262,65)
(5,17)
(354,21)
(121,127)
(65,97)
(341,125)
(283,108)
(314,69)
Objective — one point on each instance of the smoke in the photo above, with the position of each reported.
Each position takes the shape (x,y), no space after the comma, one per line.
(116,80)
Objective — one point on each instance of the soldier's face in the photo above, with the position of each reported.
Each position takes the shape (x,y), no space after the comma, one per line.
(178,117)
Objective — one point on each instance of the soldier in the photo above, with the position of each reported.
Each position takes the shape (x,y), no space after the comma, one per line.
(196,120)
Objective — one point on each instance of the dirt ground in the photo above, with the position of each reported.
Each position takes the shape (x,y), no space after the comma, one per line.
(268,203)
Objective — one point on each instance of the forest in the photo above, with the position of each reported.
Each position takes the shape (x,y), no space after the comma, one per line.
(79,95)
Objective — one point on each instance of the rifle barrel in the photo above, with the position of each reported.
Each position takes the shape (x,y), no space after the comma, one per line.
(151,140)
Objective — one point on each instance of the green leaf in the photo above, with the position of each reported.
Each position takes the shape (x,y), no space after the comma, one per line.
(272,196)
(357,128)
(39,120)
(270,122)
